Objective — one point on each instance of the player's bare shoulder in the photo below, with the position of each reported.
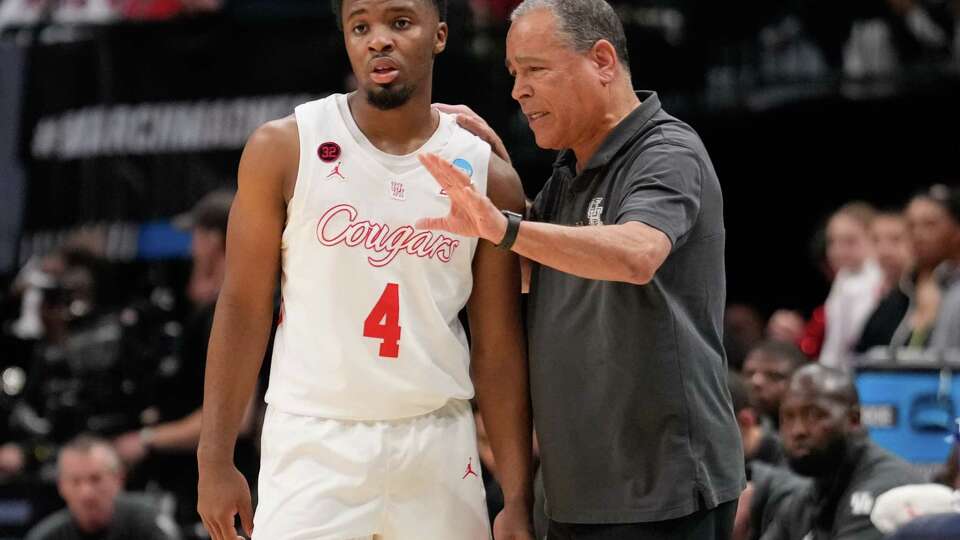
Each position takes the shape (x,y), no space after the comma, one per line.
(272,155)
(503,185)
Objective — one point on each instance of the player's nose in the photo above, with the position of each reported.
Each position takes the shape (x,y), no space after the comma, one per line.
(381,40)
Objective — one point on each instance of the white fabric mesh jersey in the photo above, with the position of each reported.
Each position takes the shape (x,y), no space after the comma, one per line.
(369,327)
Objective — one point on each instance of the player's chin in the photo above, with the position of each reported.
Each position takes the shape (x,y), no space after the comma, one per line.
(389,96)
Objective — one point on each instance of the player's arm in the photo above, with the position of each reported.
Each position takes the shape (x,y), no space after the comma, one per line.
(241,324)
(498,355)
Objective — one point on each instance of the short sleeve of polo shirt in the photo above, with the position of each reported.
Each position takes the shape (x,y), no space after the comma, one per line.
(662,189)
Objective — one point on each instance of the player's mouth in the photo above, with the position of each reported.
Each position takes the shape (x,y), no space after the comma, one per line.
(384,70)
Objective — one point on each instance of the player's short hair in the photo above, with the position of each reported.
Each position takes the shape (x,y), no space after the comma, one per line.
(337,7)
(583,23)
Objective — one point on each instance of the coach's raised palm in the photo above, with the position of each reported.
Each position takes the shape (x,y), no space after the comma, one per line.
(471,212)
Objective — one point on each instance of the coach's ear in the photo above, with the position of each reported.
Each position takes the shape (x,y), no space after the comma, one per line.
(440,41)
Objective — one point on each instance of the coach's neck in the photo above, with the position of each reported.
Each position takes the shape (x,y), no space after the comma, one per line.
(617,100)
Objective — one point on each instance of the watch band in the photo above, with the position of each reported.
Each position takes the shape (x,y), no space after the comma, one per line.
(513,227)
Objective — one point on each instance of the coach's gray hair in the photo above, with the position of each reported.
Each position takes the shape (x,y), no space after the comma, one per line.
(583,23)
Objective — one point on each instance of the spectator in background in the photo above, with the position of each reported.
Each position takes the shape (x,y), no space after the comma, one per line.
(767,371)
(163,451)
(934,231)
(824,440)
(814,330)
(493,10)
(743,328)
(760,443)
(75,382)
(891,241)
(90,480)
(946,332)
(785,325)
(769,481)
(856,288)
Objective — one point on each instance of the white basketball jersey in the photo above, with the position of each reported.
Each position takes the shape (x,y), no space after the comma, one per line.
(369,327)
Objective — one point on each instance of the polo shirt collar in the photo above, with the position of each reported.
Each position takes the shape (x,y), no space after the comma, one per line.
(624,133)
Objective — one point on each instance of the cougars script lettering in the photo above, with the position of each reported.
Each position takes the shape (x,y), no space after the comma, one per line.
(339,225)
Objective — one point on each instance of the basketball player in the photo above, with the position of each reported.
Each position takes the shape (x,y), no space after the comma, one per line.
(368,432)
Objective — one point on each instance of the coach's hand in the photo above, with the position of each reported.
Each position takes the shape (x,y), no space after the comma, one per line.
(513,523)
(472,122)
(471,212)
(223,493)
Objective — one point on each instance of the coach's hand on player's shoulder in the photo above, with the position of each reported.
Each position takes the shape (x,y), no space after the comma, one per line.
(513,523)
(471,213)
(223,493)
(474,123)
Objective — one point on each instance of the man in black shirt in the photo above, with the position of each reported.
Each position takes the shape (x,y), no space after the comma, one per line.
(824,440)
(90,480)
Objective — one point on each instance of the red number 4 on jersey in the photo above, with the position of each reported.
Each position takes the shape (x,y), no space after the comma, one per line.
(383,322)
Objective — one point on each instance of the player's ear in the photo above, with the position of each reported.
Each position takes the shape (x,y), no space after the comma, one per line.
(440,40)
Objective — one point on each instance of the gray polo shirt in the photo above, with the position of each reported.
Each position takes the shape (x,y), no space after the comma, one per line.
(628,383)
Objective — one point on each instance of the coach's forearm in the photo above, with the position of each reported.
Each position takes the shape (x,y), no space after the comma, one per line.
(605,252)
(504,399)
(237,345)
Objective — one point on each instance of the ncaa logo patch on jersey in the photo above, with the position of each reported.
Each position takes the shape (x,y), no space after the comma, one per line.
(464,166)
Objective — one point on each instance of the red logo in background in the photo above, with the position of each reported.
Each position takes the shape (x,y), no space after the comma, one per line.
(469,470)
(329,152)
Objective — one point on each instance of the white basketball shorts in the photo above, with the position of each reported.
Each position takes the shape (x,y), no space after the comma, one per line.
(411,479)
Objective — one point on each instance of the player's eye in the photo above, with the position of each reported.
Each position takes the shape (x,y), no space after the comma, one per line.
(402,24)
(359,28)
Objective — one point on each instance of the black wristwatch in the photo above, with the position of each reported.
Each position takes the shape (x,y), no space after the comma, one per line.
(513,227)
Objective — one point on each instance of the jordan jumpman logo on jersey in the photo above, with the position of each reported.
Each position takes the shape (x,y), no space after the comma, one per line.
(336,171)
(469,469)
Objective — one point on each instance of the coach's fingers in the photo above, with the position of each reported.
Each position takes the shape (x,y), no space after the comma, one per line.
(453,109)
(429,161)
(431,224)
(451,174)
